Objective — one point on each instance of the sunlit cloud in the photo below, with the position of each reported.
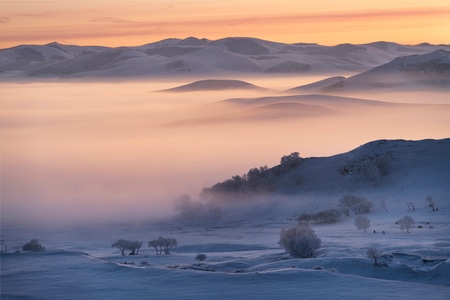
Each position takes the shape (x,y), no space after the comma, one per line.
(109,20)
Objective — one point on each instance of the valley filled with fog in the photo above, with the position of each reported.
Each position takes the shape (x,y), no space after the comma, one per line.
(123,150)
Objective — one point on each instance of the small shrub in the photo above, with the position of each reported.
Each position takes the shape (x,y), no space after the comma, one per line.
(200,257)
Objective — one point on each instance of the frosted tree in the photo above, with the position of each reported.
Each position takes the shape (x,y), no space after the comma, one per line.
(406,223)
(299,241)
(362,222)
(374,253)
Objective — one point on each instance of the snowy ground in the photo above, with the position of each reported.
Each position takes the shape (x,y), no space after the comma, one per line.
(243,261)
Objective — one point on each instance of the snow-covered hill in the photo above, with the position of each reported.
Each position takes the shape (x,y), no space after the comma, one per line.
(418,70)
(393,165)
(215,85)
(197,57)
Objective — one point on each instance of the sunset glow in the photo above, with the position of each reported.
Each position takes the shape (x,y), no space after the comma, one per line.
(128,23)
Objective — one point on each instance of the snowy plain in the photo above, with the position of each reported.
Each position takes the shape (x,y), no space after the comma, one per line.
(243,260)
(85,163)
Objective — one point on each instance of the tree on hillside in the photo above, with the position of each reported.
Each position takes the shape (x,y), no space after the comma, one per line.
(33,245)
(374,253)
(362,222)
(299,241)
(406,223)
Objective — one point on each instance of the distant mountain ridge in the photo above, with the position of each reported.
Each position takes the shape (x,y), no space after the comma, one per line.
(175,57)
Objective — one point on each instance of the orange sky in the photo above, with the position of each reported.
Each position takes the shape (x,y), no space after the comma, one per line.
(129,23)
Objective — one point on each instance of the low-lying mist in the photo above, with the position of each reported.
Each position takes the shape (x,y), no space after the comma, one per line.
(102,152)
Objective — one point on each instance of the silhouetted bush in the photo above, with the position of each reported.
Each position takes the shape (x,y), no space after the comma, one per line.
(201,257)
(33,245)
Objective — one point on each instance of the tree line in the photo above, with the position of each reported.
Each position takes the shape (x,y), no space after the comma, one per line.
(161,244)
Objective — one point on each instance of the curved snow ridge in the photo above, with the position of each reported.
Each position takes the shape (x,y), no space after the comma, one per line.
(219,248)
(57,252)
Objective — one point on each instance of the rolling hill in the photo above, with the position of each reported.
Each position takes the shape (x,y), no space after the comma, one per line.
(381,165)
(418,70)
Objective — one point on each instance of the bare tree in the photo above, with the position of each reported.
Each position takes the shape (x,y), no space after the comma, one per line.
(122,245)
(374,253)
(406,223)
(429,199)
(362,222)
(134,247)
(155,244)
(169,243)
(299,241)
(163,243)
(383,205)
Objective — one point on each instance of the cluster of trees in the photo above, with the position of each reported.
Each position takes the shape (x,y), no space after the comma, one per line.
(163,244)
(257,180)
(359,205)
(299,241)
(132,246)
(193,210)
(372,168)
(322,217)
(33,245)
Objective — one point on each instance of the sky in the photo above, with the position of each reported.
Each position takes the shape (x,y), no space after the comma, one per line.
(133,23)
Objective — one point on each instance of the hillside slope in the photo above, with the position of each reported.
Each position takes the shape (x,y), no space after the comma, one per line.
(425,70)
(395,165)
